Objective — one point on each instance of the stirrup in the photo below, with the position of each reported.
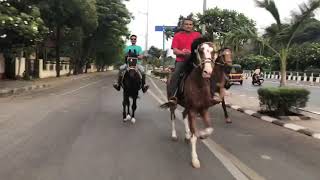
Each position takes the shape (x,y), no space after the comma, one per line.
(116,86)
(145,88)
(173,100)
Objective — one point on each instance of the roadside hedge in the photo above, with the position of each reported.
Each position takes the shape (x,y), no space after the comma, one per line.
(281,99)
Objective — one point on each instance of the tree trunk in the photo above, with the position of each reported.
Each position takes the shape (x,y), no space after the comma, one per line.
(19,62)
(58,29)
(283,67)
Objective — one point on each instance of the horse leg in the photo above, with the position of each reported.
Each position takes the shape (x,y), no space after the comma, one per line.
(226,116)
(208,130)
(194,156)
(174,136)
(125,103)
(186,125)
(134,107)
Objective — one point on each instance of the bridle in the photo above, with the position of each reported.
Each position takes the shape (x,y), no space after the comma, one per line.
(204,60)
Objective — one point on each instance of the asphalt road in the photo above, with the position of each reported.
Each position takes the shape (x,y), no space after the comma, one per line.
(74,131)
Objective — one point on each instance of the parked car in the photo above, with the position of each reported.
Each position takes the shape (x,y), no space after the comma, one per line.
(236,74)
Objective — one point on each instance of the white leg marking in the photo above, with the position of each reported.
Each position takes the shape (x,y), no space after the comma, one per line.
(194,156)
(127,118)
(173,133)
(206,132)
(133,120)
(187,129)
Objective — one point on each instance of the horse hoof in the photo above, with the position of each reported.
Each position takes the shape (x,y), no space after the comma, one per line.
(186,140)
(127,118)
(133,120)
(228,121)
(195,163)
(174,138)
(203,134)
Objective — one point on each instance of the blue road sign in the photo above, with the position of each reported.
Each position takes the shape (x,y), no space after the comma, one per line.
(161,28)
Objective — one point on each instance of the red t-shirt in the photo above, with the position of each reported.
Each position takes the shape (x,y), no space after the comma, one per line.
(183,40)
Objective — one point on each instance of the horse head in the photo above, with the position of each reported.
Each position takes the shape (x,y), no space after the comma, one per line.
(131,60)
(224,57)
(203,53)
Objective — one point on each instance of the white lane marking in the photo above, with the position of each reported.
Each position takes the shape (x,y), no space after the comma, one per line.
(293,126)
(266,157)
(155,96)
(242,95)
(236,173)
(158,89)
(238,169)
(70,92)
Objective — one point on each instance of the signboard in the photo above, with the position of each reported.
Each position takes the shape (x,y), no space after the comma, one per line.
(161,28)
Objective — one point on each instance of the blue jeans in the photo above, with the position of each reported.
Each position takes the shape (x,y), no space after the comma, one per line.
(180,67)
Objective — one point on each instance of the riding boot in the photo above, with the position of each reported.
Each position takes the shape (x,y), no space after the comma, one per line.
(117,85)
(144,87)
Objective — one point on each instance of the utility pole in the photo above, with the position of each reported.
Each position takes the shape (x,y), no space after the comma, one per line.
(147,31)
(203,29)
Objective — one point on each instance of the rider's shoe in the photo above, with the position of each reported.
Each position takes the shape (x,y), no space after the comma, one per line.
(145,88)
(116,86)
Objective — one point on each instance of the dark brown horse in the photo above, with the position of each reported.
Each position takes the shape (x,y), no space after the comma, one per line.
(131,85)
(196,97)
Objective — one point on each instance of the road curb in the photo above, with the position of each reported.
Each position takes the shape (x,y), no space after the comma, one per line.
(9,92)
(290,126)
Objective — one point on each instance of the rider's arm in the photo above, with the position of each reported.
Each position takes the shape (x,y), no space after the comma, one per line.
(178,52)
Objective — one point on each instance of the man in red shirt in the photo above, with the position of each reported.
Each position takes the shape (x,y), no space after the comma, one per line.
(181,45)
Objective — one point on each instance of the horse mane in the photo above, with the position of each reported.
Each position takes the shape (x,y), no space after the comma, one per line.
(193,56)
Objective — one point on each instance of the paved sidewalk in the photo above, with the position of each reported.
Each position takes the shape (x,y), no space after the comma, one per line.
(250,106)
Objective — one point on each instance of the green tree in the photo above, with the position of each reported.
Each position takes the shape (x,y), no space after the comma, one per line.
(284,34)
(59,14)
(304,56)
(109,37)
(20,23)
(224,26)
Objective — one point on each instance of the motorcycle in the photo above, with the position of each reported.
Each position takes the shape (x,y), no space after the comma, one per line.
(257,79)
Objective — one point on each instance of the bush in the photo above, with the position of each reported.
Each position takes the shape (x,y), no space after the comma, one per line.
(281,100)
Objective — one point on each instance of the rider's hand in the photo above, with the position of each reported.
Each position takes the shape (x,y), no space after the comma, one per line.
(186,52)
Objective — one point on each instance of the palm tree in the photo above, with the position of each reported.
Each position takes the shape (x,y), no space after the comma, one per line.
(283,35)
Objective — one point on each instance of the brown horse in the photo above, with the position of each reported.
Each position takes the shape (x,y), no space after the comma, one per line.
(196,97)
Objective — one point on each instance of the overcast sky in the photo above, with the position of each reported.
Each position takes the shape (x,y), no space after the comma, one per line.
(167,12)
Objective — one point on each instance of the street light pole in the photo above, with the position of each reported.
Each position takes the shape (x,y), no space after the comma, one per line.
(147,32)
(204,9)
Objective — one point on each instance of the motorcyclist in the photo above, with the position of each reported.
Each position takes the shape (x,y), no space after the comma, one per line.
(256,74)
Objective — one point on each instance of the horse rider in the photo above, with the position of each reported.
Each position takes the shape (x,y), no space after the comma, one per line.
(181,45)
(133,48)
